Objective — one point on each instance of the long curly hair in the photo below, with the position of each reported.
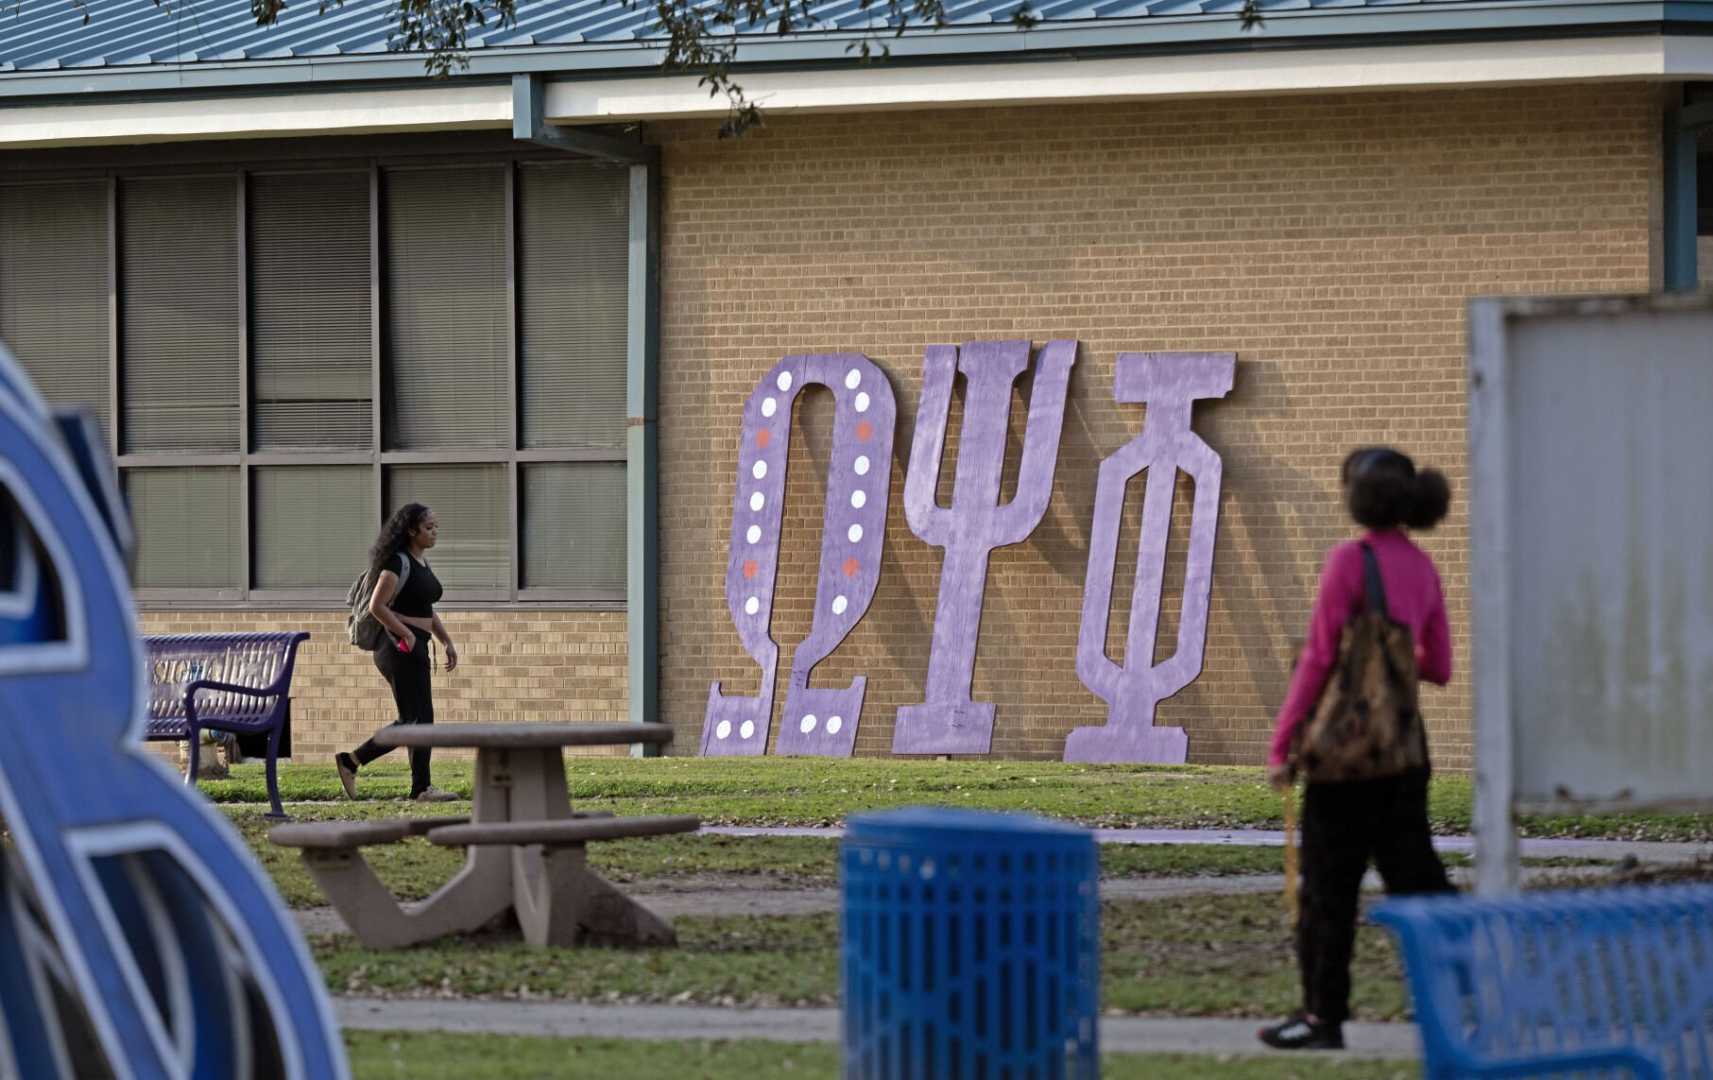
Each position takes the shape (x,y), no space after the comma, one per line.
(395,537)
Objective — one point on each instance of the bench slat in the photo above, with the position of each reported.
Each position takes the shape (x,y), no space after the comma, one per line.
(350,834)
(564,831)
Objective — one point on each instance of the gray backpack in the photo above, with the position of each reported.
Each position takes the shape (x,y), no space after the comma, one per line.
(364,630)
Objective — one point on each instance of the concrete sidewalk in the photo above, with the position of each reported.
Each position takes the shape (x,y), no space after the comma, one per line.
(1158,1035)
(1605,850)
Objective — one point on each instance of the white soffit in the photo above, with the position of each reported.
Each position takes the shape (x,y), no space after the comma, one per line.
(876,86)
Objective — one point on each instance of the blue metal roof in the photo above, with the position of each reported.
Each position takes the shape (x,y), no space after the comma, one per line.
(48,46)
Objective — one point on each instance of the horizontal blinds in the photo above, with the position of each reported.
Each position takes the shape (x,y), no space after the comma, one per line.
(574,526)
(313,524)
(187,527)
(573,255)
(310,311)
(53,289)
(178,260)
(447,319)
(473,509)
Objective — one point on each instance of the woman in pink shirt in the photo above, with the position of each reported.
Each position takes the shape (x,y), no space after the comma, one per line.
(1346,824)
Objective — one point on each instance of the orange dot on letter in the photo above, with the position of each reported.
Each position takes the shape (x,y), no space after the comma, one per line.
(865,430)
(850,567)
(763,437)
(749,568)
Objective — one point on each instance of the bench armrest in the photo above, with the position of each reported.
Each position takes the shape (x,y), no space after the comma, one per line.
(190,692)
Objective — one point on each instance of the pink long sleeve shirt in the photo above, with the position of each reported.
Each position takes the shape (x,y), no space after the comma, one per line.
(1413,598)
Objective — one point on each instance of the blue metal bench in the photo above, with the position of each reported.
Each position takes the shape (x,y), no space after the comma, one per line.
(226,682)
(1546,984)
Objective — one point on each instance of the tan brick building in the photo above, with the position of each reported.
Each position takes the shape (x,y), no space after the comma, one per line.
(1324,213)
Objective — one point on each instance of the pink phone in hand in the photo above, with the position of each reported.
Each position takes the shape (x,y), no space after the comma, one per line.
(403,645)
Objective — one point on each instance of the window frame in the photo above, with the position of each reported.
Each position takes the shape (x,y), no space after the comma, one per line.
(240,162)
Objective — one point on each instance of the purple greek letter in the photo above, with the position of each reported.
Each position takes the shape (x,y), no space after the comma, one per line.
(859,476)
(1169,383)
(947,721)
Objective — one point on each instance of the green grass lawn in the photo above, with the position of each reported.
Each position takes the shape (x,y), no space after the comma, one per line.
(1203,956)
(415,868)
(383,1055)
(811,791)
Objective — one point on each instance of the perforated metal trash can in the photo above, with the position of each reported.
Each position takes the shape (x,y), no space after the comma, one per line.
(971,947)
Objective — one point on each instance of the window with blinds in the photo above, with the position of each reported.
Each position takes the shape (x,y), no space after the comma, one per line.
(178,300)
(310,338)
(265,320)
(574,526)
(448,327)
(53,289)
(188,527)
(313,524)
(573,257)
(471,504)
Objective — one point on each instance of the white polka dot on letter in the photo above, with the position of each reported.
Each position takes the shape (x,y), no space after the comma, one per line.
(862,403)
(853,379)
(747,728)
(839,605)
(862,465)
(855,533)
(859,498)
(751,606)
(769,406)
(758,470)
(722,729)
(784,381)
(834,723)
(757,501)
(753,535)
(807,724)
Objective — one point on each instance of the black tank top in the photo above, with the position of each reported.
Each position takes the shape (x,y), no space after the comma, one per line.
(419,593)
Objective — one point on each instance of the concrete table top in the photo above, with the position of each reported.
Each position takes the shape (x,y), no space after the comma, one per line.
(521,736)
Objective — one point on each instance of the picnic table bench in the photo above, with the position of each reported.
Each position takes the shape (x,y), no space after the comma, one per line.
(526,846)
(1553,983)
(227,682)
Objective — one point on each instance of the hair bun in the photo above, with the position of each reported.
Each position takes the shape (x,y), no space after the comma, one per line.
(1431,500)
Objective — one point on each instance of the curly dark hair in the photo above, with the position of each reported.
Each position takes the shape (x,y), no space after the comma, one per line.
(1384,490)
(395,537)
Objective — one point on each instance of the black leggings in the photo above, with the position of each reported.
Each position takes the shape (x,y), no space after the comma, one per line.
(407,674)
(1343,826)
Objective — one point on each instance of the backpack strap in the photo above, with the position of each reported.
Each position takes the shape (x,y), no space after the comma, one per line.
(1374,584)
(404,571)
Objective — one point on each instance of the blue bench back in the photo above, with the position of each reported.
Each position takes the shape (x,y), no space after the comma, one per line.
(1547,976)
(261,661)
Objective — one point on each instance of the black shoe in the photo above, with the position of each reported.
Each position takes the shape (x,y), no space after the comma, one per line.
(347,767)
(1300,1033)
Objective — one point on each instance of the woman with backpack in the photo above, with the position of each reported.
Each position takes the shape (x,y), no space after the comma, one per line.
(1350,726)
(402,601)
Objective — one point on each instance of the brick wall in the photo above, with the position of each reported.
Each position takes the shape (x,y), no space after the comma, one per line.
(512,667)
(1331,242)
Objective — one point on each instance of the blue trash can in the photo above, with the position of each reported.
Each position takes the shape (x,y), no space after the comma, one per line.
(971,947)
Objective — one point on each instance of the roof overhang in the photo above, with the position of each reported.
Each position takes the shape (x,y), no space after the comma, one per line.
(1306,51)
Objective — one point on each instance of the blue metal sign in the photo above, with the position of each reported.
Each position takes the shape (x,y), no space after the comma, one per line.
(137,935)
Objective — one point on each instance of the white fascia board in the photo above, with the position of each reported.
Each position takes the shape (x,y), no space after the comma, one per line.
(879,86)
(875,86)
(255,116)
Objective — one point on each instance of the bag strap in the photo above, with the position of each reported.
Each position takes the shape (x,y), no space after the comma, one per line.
(404,570)
(1374,584)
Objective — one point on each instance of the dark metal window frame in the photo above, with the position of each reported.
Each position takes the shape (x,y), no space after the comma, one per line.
(1688,119)
(240,162)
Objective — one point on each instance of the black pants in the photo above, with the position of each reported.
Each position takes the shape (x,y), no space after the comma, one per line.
(1344,825)
(407,674)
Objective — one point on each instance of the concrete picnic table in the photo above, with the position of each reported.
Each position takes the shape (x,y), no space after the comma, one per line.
(526,845)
